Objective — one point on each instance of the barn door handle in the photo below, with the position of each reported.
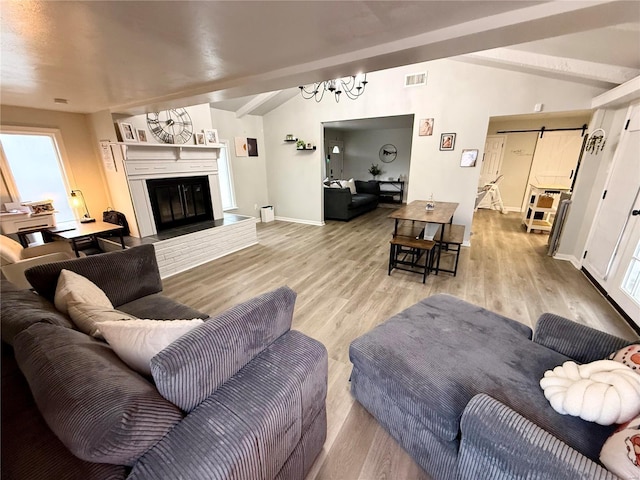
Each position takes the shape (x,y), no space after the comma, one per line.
(635,213)
(571,175)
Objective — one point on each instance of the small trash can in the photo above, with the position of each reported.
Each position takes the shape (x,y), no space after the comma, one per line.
(266,214)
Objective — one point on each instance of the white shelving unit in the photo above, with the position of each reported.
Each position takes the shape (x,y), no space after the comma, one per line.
(535,206)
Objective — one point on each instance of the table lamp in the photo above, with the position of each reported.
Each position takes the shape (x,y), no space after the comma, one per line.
(77,198)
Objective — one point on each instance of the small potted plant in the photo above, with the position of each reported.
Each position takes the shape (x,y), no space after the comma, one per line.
(374,170)
(300,144)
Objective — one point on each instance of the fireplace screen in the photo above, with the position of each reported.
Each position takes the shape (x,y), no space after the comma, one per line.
(180,201)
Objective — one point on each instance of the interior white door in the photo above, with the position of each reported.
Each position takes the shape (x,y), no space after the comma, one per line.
(614,234)
(556,157)
(492,161)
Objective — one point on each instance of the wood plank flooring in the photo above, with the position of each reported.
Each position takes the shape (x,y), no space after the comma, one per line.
(340,274)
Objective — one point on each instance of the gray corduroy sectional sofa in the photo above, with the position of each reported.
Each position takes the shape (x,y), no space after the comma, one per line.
(247,393)
(458,387)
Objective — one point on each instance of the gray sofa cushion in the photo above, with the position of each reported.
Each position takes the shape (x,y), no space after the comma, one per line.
(20,309)
(28,445)
(362,199)
(99,408)
(250,425)
(435,356)
(192,367)
(123,275)
(159,307)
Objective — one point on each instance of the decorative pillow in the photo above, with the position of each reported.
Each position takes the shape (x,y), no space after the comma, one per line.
(136,342)
(603,391)
(629,356)
(86,317)
(621,452)
(335,184)
(351,183)
(72,286)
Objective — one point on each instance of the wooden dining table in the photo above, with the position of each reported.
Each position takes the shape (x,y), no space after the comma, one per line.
(417,211)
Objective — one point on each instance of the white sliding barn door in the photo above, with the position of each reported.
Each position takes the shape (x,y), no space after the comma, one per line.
(612,252)
(555,159)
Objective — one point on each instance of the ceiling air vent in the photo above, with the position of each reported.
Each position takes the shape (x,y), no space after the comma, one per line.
(415,79)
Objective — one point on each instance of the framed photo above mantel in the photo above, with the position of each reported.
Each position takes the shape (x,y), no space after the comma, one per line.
(127,132)
(211,136)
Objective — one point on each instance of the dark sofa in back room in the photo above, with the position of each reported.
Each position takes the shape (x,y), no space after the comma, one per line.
(341,204)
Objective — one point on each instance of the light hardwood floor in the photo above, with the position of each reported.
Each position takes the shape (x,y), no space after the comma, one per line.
(340,274)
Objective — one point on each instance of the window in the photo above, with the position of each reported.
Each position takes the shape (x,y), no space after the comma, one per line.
(225,177)
(33,170)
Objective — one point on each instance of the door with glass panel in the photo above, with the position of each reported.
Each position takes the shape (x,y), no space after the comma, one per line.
(613,250)
(626,279)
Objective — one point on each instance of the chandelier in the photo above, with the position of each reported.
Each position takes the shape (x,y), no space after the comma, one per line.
(352,87)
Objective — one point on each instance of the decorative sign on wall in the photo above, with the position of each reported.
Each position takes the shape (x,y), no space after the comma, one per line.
(241,147)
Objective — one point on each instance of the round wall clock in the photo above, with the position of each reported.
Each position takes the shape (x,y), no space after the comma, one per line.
(171,126)
(388,153)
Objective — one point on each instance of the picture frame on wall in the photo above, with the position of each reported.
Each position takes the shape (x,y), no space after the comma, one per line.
(142,135)
(252,147)
(199,137)
(241,147)
(469,158)
(426,127)
(211,136)
(447,141)
(127,132)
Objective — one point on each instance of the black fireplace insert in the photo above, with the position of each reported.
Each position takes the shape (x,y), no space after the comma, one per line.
(180,201)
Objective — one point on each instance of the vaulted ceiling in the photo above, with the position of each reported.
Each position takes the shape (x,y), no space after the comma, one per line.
(137,56)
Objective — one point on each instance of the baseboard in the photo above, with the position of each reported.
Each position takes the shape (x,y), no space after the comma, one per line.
(298,220)
(569,258)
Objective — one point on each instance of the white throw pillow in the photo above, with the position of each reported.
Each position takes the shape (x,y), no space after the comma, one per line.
(136,342)
(351,183)
(87,317)
(74,287)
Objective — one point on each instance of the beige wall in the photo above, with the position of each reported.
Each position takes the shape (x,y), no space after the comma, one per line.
(86,169)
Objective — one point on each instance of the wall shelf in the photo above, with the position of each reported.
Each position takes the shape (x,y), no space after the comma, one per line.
(289,140)
(307,149)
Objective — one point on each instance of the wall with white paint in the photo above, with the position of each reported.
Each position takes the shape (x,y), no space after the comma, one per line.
(461,97)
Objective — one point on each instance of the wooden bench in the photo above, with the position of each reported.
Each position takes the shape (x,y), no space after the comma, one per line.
(451,242)
(414,248)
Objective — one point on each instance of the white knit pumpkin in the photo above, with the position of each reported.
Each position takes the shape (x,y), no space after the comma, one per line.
(604,391)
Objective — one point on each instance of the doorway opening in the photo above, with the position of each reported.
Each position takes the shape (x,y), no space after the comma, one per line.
(532,148)
(352,147)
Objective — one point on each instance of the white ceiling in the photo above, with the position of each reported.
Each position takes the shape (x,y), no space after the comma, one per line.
(136,56)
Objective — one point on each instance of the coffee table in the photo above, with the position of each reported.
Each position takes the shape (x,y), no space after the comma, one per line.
(75,231)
